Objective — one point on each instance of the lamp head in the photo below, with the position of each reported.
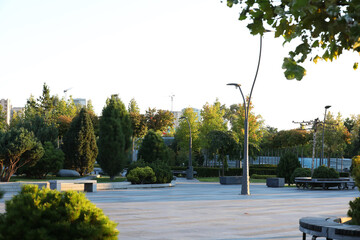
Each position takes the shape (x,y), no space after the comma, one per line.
(182,118)
(234,84)
(328,106)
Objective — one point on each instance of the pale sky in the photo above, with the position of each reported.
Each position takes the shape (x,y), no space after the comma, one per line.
(151,49)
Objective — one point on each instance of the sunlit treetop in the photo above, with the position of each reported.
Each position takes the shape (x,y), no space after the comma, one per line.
(325,27)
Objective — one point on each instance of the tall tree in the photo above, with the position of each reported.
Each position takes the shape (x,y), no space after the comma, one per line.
(327,27)
(212,119)
(18,147)
(255,128)
(138,123)
(182,134)
(336,137)
(153,148)
(160,120)
(2,119)
(221,144)
(80,144)
(114,136)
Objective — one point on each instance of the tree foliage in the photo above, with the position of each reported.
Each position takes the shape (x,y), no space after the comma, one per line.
(3,123)
(182,132)
(255,123)
(160,120)
(50,214)
(114,136)
(287,165)
(80,144)
(153,148)
(138,123)
(18,147)
(51,162)
(325,27)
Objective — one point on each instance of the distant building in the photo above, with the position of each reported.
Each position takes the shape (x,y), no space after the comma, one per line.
(80,102)
(18,110)
(177,116)
(6,106)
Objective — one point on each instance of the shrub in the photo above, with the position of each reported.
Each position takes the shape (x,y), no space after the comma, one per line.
(300,172)
(287,165)
(153,148)
(162,171)
(50,214)
(140,175)
(325,172)
(257,176)
(1,194)
(354,211)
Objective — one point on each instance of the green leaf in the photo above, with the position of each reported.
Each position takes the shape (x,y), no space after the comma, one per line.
(355,66)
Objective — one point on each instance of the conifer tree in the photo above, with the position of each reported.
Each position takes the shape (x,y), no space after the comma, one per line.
(80,144)
(114,136)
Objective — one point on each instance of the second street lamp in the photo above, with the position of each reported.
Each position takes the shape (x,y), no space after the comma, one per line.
(190,170)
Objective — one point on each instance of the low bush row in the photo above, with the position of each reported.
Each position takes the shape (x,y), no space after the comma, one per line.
(216,171)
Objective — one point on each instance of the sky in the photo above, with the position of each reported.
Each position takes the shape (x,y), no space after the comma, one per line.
(151,50)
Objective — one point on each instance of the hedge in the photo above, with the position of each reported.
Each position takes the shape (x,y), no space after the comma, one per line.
(215,171)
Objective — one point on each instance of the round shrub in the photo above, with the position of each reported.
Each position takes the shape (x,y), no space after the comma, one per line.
(325,172)
(141,175)
(162,171)
(300,172)
(153,148)
(354,211)
(287,165)
(50,214)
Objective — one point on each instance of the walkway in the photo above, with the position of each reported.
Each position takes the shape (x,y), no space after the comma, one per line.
(194,210)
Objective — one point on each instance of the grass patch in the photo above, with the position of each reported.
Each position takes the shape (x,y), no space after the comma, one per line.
(27,179)
(106,179)
(208,179)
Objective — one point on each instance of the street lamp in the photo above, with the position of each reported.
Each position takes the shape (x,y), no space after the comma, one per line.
(190,170)
(245,186)
(322,147)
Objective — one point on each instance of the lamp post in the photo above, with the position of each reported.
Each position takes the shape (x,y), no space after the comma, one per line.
(323,133)
(190,170)
(245,186)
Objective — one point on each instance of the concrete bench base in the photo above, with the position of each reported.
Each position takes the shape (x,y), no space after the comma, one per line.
(77,185)
(275,182)
(16,186)
(230,180)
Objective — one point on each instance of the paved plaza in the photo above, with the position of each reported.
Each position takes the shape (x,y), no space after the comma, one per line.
(194,210)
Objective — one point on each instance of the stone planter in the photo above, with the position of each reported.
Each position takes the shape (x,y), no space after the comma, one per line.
(275,182)
(230,180)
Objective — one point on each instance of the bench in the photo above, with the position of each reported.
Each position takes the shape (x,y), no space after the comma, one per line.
(328,228)
(325,183)
(182,172)
(63,185)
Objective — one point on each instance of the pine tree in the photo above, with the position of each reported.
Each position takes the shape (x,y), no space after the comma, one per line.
(80,144)
(114,136)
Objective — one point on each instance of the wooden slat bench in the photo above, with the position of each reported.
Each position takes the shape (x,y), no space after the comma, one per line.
(340,183)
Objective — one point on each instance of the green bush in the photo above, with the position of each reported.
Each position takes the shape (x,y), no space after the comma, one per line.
(300,172)
(162,171)
(355,170)
(153,148)
(1,194)
(140,175)
(325,172)
(354,211)
(287,165)
(257,176)
(50,214)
